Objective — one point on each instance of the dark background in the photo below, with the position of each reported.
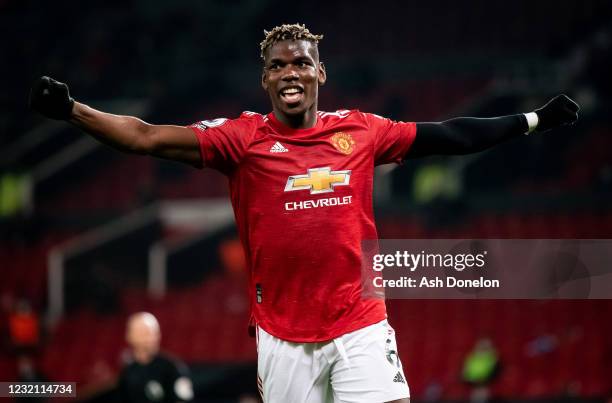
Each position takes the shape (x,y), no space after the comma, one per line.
(184,61)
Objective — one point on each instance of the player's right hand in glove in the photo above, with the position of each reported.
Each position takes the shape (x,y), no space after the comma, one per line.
(559,111)
(51,99)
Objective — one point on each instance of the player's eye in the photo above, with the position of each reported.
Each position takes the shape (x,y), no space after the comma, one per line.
(273,66)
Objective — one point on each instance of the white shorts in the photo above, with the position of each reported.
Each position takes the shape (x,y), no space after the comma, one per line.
(361,366)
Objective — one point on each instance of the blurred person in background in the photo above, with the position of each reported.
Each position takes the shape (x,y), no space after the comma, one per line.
(24,329)
(151,376)
(480,368)
(25,337)
(301,184)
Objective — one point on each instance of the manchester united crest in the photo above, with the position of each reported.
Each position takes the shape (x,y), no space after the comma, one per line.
(343,142)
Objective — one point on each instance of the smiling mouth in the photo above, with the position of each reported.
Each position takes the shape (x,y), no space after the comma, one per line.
(292,95)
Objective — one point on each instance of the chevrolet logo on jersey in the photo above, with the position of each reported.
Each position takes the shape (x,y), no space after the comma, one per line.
(318,180)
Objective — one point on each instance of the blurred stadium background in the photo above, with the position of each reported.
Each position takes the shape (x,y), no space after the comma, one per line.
(89,235)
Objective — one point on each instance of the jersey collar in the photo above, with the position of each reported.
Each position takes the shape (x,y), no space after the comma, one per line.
(283,129)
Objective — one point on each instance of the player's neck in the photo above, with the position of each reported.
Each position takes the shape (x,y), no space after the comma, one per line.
(304,121)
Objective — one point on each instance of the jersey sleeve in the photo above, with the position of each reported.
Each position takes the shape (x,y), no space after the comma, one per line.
(392,139)
(223,142)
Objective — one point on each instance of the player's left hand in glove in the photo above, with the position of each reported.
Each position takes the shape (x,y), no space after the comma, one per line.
(51,99)
(559,111)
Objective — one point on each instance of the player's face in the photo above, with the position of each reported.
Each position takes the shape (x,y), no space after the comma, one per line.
(292,75)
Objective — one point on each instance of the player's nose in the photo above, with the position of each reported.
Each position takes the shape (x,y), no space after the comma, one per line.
(290,74)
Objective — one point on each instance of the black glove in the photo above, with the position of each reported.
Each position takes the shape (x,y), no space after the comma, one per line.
(559,111)
(51,99)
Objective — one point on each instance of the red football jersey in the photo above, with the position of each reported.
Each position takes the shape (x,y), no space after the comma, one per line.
(303,203)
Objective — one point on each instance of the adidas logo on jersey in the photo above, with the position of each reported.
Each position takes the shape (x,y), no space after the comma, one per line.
(278,148)
(399,378)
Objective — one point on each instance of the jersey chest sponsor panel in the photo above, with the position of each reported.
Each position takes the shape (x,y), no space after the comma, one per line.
(302,214)
(304,249)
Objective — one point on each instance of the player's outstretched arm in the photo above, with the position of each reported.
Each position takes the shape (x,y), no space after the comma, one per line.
(126,133)
(468,135)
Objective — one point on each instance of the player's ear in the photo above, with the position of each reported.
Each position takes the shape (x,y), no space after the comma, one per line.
(322,74)
(264,80)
